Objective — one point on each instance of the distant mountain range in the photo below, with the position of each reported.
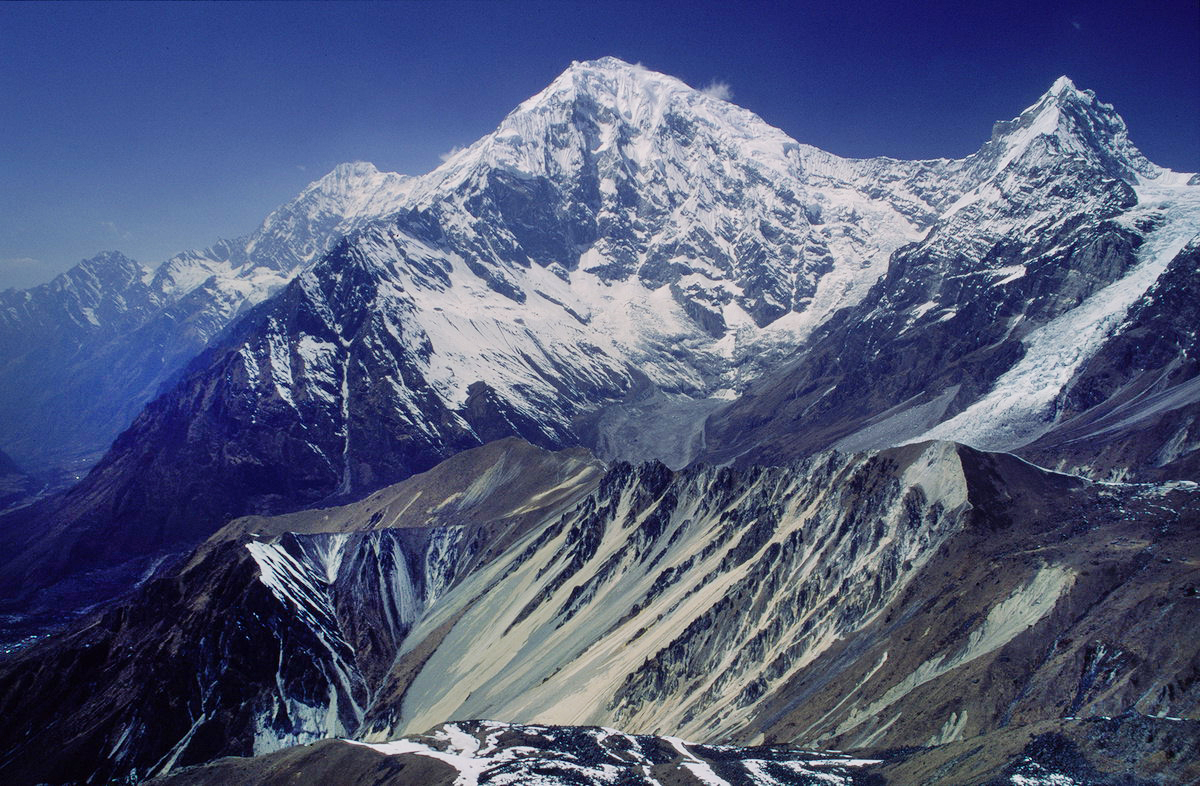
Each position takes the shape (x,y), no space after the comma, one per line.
(636,413)
(84,353)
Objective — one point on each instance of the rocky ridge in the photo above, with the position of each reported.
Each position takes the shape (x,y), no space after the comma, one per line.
(949,592)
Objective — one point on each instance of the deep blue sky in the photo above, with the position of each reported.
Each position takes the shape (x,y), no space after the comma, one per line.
(153,128)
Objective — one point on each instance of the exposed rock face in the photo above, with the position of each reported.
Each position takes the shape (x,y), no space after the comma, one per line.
(1131,749)
(999,632)
(269,636)
(727,606)
(798,604)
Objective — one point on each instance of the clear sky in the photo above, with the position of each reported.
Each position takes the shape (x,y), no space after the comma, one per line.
(153,128)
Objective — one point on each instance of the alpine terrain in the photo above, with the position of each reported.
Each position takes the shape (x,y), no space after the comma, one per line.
(84,353)
(637,443)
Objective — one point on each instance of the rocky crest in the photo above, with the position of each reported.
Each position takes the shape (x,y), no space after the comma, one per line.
(793,605)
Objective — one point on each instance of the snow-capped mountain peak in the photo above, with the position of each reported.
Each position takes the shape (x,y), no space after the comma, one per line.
(1077,124)
(110,270)
(290,238)
(610,110)
(607,77)
(67,332)
(1062,85)
(99,290)
(633,176)
(352,190)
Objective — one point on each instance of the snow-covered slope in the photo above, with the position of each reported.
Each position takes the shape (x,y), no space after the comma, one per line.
(1019,408)
(980,331)
(251,268)
(627,174)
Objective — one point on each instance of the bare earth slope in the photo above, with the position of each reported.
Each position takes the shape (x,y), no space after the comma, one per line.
(915,597)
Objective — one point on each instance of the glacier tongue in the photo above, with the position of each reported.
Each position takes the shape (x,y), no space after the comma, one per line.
(1021,405)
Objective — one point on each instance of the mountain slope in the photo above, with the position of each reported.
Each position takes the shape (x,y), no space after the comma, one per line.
(48,371)
(331,604)
(847,601)
(979,332)
(83,354)
(15,484)
(620,233)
